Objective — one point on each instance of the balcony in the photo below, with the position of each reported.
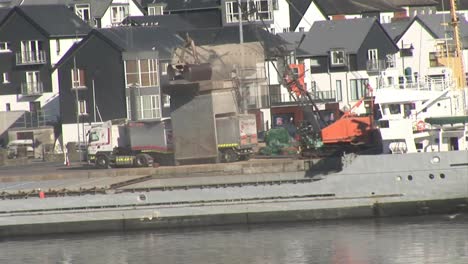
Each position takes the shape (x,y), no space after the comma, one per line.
(375,66)
(318,96)
(31,89)
(31,58)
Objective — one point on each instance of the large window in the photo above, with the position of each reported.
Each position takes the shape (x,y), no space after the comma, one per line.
(148,107)
(32,51)
(358,88)
(141,73)
(83,11)
(78,78)
(5,77)
(118,13)
(256,10)
(155,10)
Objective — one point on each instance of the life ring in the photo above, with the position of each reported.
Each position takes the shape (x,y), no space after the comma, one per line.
(420,126)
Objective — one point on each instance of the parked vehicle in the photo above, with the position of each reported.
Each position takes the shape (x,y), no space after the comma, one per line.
(20,148)
(131,144)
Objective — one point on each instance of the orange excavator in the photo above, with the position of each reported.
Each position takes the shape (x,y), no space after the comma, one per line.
(319,137)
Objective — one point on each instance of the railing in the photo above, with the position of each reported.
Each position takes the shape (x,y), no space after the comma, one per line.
(427,84)
(375,65)
(35,119)
(317,96)
(31,57)
(31,88)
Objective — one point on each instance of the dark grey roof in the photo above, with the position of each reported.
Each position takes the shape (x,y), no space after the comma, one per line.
(3,13)
(335,7)
(413,2)
(228,35)
(98,7)
(293,40)
(179,5)
(54,20)
(143,39)
(342,34)
(444,5)
(181,21)
(438,24)
(396,28)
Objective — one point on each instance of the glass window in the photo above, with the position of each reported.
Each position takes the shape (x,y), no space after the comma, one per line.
(78,78)
(82,10)
(5,47)
(358,88)
(337,57)
(142,73)
(339,95)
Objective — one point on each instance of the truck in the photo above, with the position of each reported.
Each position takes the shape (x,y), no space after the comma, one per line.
(143,144)
(123,143)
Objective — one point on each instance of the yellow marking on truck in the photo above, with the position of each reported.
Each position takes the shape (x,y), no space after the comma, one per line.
(231,145)
(124,159)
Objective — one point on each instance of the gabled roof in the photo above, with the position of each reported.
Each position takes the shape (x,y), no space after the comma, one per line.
(297,10)
(343,7)
(180,5)
(396,29)
(436,24)
(181,21)
(143,39)
(53,20)
(339,34)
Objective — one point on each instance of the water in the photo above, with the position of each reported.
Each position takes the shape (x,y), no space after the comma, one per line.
(435,239)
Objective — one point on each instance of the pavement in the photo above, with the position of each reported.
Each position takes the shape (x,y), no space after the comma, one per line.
(56,176)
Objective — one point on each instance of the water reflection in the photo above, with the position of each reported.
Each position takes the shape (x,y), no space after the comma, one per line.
(439,239)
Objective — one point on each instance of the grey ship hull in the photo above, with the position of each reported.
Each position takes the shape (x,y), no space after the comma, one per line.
(367,186)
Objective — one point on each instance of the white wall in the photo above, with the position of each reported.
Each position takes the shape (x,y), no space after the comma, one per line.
(281,17)
(133,10)
(312,14)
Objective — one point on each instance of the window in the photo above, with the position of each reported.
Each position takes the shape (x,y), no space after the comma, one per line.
(286,29)
(33,84)
(5,77)
(394,109)
(166,101)
(82,109)
(155,10)
(373,55)
(390,61)
(433,62)
(337,57)
(57,45)
(118,13)
(272,30)
(83,11)
(78,78)
(164,68)
(301,29)
(148,107)
(8,107)
(339,92)
(256,10)
(5,47)
(263,9)
(32,51)
(142,73)
(358,88)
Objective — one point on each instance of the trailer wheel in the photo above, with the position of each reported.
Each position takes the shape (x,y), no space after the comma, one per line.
(141,160)
(244,157)
(228,155)
(102,162)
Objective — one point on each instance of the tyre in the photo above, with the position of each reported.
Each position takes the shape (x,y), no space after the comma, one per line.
(141,160)
(102,162)
(244,157)
(229,155)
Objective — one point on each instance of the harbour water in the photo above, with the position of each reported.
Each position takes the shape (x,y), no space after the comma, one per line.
(427,239)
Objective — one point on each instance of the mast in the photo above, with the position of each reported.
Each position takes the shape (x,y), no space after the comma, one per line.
(458,56)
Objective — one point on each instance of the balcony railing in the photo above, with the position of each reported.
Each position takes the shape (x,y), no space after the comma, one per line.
(31,88)
(375,65)
(31,57)
(426,84)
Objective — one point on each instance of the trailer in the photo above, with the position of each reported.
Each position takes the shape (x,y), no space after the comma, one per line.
(122,143)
